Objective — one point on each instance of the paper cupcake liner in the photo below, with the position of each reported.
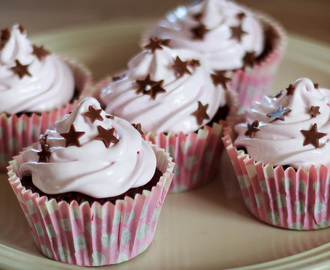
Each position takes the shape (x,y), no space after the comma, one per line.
(19,132)
(287,198)
(94,235)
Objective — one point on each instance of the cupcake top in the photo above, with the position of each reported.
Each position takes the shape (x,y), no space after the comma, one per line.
(225,32)
(290,128)
(31,78)
(90,152)
(167,90)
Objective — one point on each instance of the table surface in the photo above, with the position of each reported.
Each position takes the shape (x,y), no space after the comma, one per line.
(307,18)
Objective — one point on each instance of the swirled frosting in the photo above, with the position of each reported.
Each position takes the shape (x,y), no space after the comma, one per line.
(90,152)
(290,128)
(31,80)
(179,91)
(222,30)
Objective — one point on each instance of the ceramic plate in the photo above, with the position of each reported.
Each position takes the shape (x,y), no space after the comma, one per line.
(208,228)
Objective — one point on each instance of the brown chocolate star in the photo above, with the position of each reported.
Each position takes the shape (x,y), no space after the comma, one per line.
(150,87)
(138,127)
(249,59)
(312,136)
(278,94)
(72,136)
(40,52)
(314,111)
(118,78)
(237,32)
(21,29)
(200,113)
(44,154)
(290,90)
(252,129)
(199,31)
(194,63)
(110,117)
(4,37)
(180,67)
(106,135)
(155,44)
(43,139)
(278,114)
(156,89)
(240,16)
(316,85)
(94,114)
(220,78)
(21,70)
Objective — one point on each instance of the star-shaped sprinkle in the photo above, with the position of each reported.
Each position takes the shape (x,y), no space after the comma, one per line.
(249,59)
(240,16)
(194,63)
(156,89)
(150,87)
(4,37)
(220,78)
(237,32)
(180,67)
(138,127)
(252,129)
(290,90)
(278,114)
(44,154)
(316,85)
(278,94)
(94,114)
(21,70)
(156,44)
(40,52)
(43,139)
(106,135)
(110,117)
(200,113)
(312,136)
(199,31)
(72,137)
(118,78)
(21,29)
(314,111)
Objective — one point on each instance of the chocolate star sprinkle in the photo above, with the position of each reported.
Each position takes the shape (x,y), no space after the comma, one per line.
(220,78)
(40,52)
(200,113)
(106,135)
(72,137)
(4,37)
(21,70)
(180,67)
(278,114)
(138,128)
(194,63)
(278,94)
(252,129)
(110,117)
(118,78)
(199,31)
(21,29)
(44,154)
(314,111)
(240,16)
(249,59)
(237,32)
(312,136)
(155,44)
(156,89)
(290,90)
(150,87)
(43,139)
(316,85)
(94,114)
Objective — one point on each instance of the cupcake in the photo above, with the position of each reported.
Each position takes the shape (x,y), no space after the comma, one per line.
(35,88)
(178,100)
(245,45)
(279,151)
(92,188)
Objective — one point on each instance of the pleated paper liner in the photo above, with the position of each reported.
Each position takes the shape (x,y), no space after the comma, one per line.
(289,198)
(94,235)
(18,132)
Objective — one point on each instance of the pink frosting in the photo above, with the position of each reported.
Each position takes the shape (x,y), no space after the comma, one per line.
(170,111)
(49,85)
(281,142)
(93,168)
(218,17)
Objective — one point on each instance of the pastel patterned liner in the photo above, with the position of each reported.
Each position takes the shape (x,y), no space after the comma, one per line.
(19,132)
(253,83)
(286,198)
(94,235)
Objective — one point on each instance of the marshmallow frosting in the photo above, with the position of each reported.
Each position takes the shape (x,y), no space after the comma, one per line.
(37,84)
(90,152)
(290,128)
(178,91)
(221,30)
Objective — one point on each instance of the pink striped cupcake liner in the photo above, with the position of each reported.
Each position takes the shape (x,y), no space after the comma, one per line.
(94,235)
(17,132)
(282,197)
